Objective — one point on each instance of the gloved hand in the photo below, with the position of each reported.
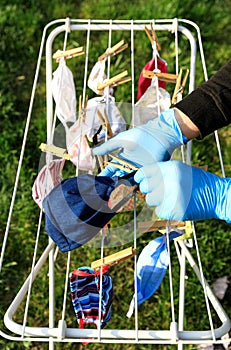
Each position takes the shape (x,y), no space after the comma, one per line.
(145,144)
(183,192)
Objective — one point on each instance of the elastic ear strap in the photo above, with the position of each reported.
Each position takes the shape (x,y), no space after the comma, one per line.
(81,273)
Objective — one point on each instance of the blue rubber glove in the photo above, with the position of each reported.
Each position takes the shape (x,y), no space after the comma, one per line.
(145,144)
(183,192)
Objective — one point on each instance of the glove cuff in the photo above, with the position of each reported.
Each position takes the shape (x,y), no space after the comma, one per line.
(223,209)
(168,132)
(185,139)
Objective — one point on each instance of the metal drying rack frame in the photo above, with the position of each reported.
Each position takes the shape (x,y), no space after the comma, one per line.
(61,333)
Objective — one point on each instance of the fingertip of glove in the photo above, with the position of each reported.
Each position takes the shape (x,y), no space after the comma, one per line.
(97,151)
(138,175)
(108,171)
(106,147)
(149,200)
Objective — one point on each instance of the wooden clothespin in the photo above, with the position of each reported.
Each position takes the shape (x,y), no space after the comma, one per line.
(68,53)
(104,120)
(122,164)
(80,115)
(82,109)
(114,258)
(122,81)
(152,36)
(101,162)
(114,81)
(149,226)
(169,78)
(105,123)
(180,85)
(114,50)
(188,228)
(56,151)
(160,225)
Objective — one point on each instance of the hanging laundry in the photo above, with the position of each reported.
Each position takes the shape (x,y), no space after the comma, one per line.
(98,76)
(78,147)
(143,83)
(104,105)
(85,296)
(63,90)
(49,176)
(151,268)
(90,130)
(154,101)
(77,208)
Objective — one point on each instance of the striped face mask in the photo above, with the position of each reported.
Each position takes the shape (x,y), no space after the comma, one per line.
(85,294)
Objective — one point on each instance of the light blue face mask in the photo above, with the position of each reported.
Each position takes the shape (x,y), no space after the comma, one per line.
(151,268)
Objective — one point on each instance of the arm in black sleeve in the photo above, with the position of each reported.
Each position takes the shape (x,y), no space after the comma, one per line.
(209,105)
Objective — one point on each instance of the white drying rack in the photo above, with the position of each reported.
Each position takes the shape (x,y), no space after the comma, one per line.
(60,332)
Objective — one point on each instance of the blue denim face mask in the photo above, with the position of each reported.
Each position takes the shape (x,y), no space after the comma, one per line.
(77,208)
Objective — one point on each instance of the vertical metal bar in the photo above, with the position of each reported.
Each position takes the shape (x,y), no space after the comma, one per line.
(182,261)
(135,273)
(49,97)
(132,75)
(25,134)
(49,138)
(51,293)
(86,62)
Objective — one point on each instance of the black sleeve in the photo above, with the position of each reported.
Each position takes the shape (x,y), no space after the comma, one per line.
(209,105)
